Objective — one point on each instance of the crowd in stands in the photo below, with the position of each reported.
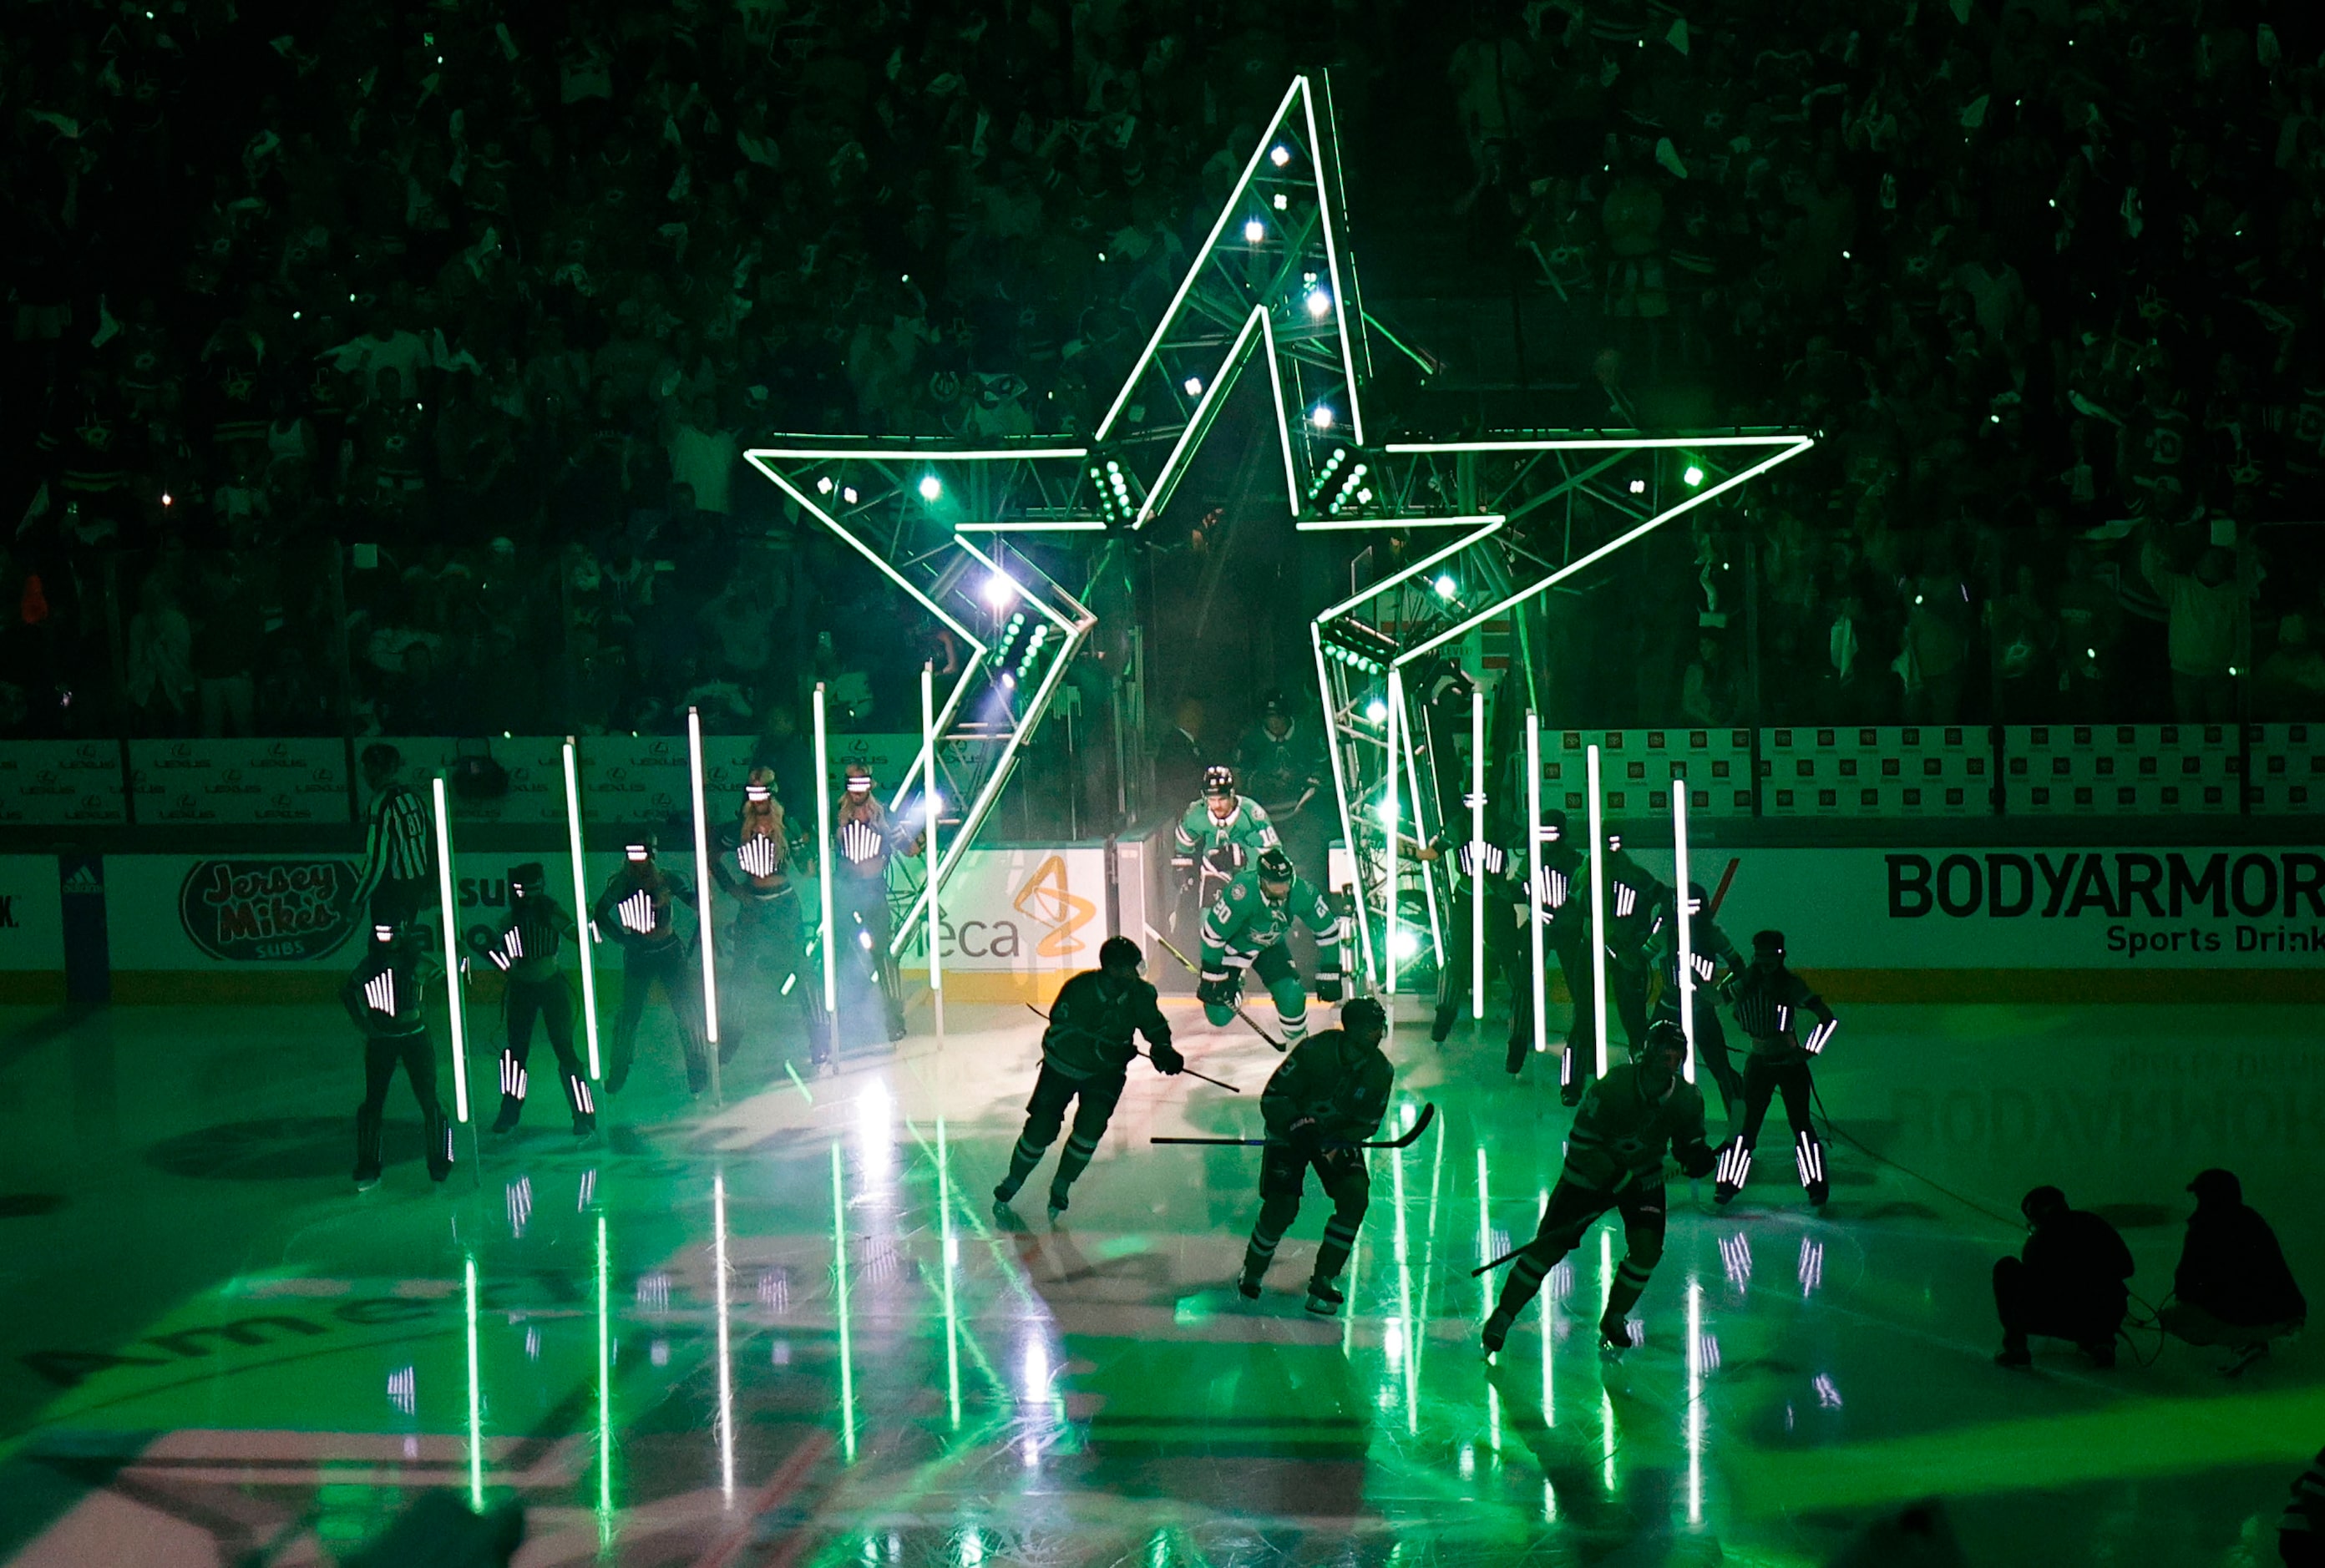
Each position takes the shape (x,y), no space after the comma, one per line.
(388,368)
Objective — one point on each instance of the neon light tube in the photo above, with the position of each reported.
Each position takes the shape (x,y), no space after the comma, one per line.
(930,795)
(823,881)
(1223,376)
(1534,879)
(924,454)
(1477,854)
(450,921)
(1390,819)
(1363,916)
(1332,265)
(951,1309)
(1596,444)
(1686,922)
(1420,830)
(702,900)
(582,910)
(1598,913)
(1489,524)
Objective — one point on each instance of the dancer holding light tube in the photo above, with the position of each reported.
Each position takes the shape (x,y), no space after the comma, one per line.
(638,910)
(1769,1001)
(866,838)
(525,950)
(754,869)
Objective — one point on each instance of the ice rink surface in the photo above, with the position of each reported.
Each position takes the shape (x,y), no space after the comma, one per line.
(219,1353)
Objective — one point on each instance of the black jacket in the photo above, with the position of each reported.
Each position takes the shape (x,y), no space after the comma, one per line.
(2233,1269)
(2079,1257)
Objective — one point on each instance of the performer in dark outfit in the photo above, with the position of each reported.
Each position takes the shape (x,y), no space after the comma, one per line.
(1328,1097)
(1710,952)
(753,871)
(382,997)
(1615,1160)
(636,909)
(1770,1001)
(1085,1055)
(526,950)
(863,839)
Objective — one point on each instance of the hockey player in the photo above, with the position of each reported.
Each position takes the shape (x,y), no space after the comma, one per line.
(382,997)
(1245,929)
(1326,1097)
(637,909)
(1710,953)
(1769,1001)
(398,875)
(525,951)
(1085,1055)
(1615,1160)
(864,838)
(1219,834)
(753,871)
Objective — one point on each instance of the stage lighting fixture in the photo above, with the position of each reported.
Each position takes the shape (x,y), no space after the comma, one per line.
(931,487)
(1638,487)
(1279,156)
(1446,586)
(1320,304)
(1000,593)
(1407,945)
(1281,202)
(1194,385)
(1376,710)
(823,485)
(1322,418)
(1254,231)
(848,494)
(1693,477)
(1357,644)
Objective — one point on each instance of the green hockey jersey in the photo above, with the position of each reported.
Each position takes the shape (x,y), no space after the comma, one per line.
(1092,1022)
(1241,923)
(1244,830)
(1620,1134)
(1342,1086)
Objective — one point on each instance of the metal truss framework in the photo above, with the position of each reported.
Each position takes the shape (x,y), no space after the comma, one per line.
(1274,281)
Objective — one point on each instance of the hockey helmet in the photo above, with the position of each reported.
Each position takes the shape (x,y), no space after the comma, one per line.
(1120,954)
(1662,1036)
(1219,783)
(1366,1017)
(527,878)
(1275,866)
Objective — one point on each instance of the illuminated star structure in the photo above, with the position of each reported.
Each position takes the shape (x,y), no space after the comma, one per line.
(1274,281)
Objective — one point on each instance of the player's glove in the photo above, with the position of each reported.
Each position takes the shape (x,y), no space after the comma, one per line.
(1305,1135)
(1327,985)
(1215,988)
(1695,1159)
(1166,1058)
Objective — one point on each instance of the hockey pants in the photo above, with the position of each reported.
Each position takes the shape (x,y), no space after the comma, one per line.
(551,1001)
(1572,1209)
(1045,1114)
(417,1053)
(1763,1078)
(1283,1180)
(642,969)
(1274,967)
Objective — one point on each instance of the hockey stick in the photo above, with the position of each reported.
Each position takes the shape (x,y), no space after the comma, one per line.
(1191,1072)
(1419,1125)
(1198,973)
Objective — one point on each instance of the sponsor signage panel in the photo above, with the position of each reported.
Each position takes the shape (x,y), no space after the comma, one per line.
(239,781)
(58,782)
(2094,909)
(31,917)
(534,766)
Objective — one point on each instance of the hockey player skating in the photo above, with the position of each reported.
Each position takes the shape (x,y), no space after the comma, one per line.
(1710,952)
(1085,1055)
(636,911)
(1245,930)
(1219,834)
(1770,1001)
(383,996)
(863,839)
(525,950)
(1329,1095)
(1615,1160)
(753,871)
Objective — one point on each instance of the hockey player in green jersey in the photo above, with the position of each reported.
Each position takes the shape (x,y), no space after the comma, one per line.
(1245,929)
(1328,1096)
(1615,1160)
(1218,835)
(1085,1055)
